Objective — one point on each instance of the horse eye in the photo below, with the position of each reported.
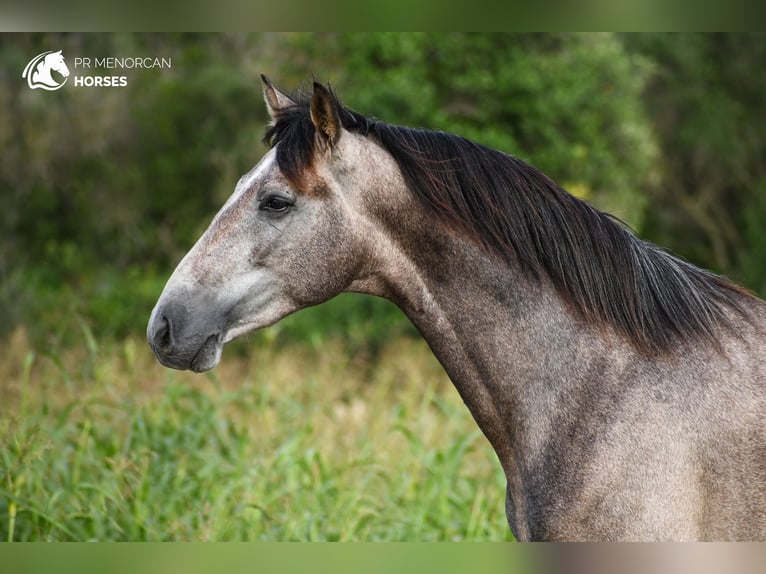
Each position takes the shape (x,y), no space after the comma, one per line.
(275,204)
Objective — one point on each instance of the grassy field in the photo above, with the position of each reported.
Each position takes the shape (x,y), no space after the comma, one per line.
(279,443)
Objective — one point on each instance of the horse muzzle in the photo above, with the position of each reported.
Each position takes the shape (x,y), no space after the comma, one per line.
(181,338)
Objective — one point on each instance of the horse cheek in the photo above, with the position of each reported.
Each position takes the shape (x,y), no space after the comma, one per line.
(325,266)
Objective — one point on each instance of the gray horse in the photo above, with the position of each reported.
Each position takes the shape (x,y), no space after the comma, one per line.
(623,389)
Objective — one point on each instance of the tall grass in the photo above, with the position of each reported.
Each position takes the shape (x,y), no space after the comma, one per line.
(281,442)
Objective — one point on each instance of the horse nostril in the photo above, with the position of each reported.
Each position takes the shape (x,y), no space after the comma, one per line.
(163,336)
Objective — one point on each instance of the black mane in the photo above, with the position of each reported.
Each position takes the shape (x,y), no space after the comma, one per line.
(603,271)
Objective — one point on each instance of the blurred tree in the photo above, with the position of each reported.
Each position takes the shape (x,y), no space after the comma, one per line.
(568,103)
(100,185)
(103,190)
(707,102)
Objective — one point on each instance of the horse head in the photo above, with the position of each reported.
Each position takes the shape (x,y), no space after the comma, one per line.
(290,236)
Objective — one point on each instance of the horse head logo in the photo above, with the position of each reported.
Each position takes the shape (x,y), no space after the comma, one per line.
(38,71)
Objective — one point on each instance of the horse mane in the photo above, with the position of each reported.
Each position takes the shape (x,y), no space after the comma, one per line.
(604,272)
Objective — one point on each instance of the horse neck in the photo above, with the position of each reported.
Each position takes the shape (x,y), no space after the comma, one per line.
(508,343)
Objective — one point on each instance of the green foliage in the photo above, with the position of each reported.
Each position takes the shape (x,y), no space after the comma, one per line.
(706,103)
(103,191)
(122,181)
(568,103)
(109,446)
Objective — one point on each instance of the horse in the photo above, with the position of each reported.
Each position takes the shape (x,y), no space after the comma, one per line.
(38,71)
(622,388)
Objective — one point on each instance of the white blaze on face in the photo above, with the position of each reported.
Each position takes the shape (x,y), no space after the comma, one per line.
(194,267)
(248,180)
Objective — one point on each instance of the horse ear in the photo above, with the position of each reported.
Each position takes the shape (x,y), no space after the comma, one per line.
(276,100)
(324,115)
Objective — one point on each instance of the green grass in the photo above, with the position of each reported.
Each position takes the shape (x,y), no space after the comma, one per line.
(279,443)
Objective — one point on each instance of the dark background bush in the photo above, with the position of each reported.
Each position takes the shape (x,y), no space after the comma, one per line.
(104,190)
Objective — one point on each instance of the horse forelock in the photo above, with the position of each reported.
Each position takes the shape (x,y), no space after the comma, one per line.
(293,134)
(600,269)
